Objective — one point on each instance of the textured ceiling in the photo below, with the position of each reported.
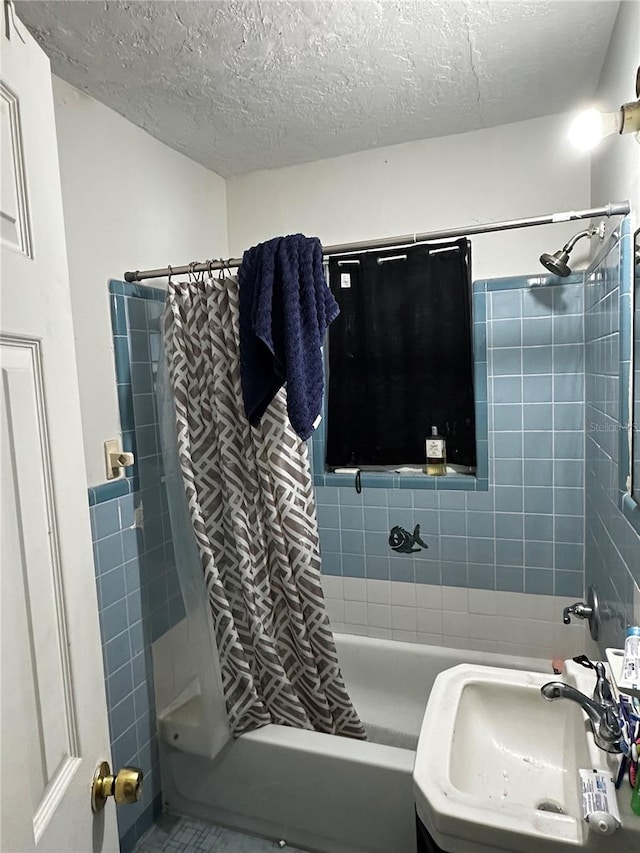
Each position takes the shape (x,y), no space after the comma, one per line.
(239,86)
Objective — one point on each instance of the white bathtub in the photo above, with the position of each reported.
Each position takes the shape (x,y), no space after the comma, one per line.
(317,791)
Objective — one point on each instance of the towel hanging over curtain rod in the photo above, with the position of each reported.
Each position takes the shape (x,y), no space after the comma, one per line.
(610,209)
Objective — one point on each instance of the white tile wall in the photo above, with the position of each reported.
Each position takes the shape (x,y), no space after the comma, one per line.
(504,622)
(173,665)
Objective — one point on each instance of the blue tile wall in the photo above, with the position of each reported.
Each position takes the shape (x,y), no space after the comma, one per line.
(123,574)
(526,533)
(612,548)
(630,378)
(136,311)
(138,592)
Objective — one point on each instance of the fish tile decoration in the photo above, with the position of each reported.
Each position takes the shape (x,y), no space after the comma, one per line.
(403,542)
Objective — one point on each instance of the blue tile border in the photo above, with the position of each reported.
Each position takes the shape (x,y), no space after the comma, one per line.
(527,282)
(118,317)
(109,491)
(140,291)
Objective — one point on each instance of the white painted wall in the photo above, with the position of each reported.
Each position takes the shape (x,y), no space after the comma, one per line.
(130,202)
(615,163)
(515,170)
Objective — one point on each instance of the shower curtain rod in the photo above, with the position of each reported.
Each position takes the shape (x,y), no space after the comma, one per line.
(612,209)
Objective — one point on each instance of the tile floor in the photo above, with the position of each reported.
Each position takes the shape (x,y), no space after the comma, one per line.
(187,835)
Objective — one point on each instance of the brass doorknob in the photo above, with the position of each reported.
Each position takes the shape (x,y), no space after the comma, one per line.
(124,787)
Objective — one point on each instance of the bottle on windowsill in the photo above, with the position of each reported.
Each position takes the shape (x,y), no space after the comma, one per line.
(436,454)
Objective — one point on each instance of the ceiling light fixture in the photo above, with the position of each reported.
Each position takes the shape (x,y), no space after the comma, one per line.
(590,127)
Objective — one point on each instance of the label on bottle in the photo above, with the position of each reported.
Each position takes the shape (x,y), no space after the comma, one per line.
(435,448)
(631,661)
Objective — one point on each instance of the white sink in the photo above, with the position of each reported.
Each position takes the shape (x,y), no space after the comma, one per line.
(497,765)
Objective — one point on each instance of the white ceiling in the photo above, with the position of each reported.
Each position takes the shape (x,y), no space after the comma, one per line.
(239,86)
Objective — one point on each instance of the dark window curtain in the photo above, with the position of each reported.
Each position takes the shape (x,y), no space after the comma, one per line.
(400,356)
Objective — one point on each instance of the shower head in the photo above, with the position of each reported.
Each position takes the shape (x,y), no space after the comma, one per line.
(558,263)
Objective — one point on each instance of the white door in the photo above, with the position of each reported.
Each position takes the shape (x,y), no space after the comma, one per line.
(53,710)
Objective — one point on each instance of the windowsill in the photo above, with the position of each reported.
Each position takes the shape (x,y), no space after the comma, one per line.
(391,480)
(405,470)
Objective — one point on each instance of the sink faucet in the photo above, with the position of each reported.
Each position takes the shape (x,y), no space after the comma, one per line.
(601,710)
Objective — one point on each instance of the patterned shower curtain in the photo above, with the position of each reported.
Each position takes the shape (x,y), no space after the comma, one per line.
(252,508)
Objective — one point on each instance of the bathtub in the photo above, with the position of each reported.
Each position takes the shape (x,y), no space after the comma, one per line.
(316,791)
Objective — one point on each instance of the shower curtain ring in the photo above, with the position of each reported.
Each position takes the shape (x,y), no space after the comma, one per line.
(170,268)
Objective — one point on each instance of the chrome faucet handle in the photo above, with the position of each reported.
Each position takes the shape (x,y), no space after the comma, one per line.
(602,692)
(579,609)
(610,729)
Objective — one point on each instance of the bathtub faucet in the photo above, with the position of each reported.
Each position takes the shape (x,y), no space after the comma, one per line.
(601,710)
(589,610)
(579,609)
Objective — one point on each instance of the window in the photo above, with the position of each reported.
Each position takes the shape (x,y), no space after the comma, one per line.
(400,357)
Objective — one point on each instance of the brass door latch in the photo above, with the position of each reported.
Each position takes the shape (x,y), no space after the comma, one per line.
(124,787)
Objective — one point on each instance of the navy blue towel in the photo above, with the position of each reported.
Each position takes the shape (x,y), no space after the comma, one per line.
(285,309)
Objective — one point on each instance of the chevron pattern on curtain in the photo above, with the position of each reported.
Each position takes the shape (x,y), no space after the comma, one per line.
(252,507)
